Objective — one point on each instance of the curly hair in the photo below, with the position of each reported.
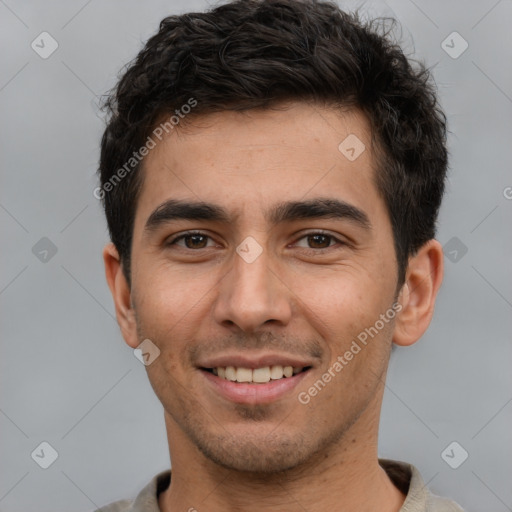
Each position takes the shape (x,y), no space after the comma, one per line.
(251,54)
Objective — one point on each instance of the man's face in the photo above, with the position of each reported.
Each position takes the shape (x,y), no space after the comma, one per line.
(298,291)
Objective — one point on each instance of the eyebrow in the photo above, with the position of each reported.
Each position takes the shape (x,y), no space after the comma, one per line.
(317,208)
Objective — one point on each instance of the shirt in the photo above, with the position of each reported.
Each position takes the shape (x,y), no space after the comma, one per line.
(405,476)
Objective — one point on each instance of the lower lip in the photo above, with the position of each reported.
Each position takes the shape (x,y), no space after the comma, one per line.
(245,393)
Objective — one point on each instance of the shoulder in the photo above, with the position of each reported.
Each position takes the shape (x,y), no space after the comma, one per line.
(438,504)
(117,506)
(418,497)
(146,500)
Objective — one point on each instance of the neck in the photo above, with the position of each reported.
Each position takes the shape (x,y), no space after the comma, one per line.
(347,475)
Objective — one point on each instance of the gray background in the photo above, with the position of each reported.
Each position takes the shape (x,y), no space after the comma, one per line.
(67,377)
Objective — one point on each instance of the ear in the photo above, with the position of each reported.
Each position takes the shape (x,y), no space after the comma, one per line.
(418,294)
(121,294)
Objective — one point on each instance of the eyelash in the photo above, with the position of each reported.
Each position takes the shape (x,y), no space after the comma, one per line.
(328,235)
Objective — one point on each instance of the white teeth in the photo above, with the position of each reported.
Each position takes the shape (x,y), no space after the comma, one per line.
(231,373)
(258,375)
(243,375)
(276,372)
(261,374)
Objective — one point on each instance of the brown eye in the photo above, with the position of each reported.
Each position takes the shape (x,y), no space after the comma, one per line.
(191,241)
(319,241)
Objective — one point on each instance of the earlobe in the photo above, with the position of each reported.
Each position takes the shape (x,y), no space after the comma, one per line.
(121,294)
(418,294)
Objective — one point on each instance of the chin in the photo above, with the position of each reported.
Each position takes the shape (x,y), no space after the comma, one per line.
(262,458)
(259,451)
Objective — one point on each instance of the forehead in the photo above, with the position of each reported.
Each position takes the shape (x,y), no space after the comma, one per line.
(249,161)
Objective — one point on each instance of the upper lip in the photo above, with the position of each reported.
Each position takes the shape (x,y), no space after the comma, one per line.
(255,361)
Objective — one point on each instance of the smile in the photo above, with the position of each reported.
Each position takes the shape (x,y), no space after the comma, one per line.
(256,376)
(257,385)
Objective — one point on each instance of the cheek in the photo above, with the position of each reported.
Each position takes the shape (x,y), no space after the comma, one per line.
(164,305)
(339,300)
(342,306)
(165,294)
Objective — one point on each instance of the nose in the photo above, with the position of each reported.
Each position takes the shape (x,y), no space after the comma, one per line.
(252,295)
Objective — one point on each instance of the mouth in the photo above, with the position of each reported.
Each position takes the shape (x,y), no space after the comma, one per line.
(254,386)
(262,375)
